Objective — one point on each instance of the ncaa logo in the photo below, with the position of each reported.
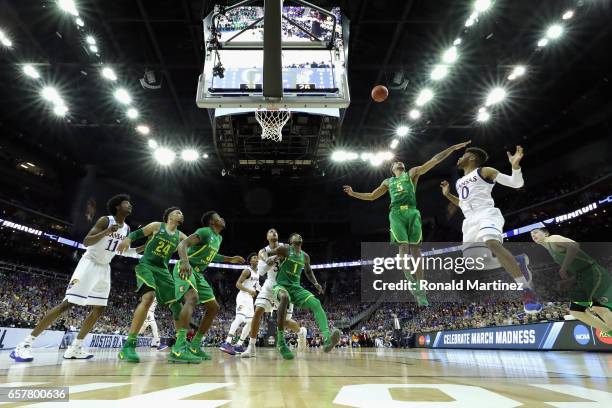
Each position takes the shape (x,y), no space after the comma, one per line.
(582,335)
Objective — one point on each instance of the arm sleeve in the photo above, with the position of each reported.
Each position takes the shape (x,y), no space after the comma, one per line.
(262,267)
(514,181)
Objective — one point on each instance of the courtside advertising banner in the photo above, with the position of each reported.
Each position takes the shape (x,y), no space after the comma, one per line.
(11,336)
(567,335)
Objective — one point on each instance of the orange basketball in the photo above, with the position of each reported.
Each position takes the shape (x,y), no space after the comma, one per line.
(380,93)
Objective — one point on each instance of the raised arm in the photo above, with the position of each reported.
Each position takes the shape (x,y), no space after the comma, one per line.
(446,193)
(377,193)
(516,179)
(418,171)
(145,231)
(310,275)
(99,231)
(239,283)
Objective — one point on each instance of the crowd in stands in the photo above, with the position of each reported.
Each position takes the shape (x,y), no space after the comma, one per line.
(26,296)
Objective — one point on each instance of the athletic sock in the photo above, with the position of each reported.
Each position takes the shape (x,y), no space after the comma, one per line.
(252,341)
(197,340)
(524,282)
(319,314)
(181,338)
(29,340)
(77,342)
(239,343)
(229,339)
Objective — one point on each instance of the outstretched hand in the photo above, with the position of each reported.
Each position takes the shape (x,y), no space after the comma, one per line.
(515,159)
(445,187)
(348,189)
(460,146)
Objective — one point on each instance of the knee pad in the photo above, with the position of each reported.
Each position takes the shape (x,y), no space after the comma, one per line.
(175,308)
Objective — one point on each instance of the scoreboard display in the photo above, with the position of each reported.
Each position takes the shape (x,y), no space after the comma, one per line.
(245,80)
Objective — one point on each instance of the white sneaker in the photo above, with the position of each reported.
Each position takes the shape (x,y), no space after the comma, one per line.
(77,353)
(22,353)
(302,339)
(249,352)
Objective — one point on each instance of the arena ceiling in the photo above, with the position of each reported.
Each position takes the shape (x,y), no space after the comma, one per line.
(564,93)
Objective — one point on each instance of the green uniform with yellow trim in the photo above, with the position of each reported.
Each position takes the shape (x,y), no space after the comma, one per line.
(592,279)
(404,217)
(288,278)
(200,256)
(152,269)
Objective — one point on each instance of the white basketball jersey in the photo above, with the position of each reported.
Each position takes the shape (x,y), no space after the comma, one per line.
(272,272)
(252,282)
(474,192)
(103,251)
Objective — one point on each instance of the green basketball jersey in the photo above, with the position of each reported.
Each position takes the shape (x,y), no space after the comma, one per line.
(290,270)
(581,262)
(402,191)
(160,247)
(206,251)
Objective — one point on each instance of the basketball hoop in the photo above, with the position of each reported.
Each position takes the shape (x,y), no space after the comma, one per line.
(272,122)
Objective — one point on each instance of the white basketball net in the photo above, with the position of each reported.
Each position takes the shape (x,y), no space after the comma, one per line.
(272,122)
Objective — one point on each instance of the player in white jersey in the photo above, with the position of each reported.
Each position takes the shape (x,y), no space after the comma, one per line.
(90,282)
(265,302)
(150,322)
(248,286)
(484,223)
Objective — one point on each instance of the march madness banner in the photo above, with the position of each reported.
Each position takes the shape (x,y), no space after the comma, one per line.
(568,335)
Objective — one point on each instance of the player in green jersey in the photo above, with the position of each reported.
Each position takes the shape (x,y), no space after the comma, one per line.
(404,217)
(153,278)
(196,253)
(288,290)
(590,283)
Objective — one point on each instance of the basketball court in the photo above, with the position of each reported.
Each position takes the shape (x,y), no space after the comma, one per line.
(343,378)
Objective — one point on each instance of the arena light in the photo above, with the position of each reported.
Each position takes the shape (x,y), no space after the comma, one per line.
(153,144)
(79,21)
(30,71)
(439,72)
(471,19)
(495,96)
(518,71)
(143,129)
(205,155)
(132,113)
(554,31)
(568,15)
(414,114)
(5,40)
(402,131)
(457,41)
(164,156)
(109,74)
(68,6)
(480,6)
(90,40)
(450,56)
(365,156)
(60,110)
(50,94)
(424,96)
(93,48)
(123,96)
(543,42)
(190,155)
(338,156)
(394,143)
(483,115)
